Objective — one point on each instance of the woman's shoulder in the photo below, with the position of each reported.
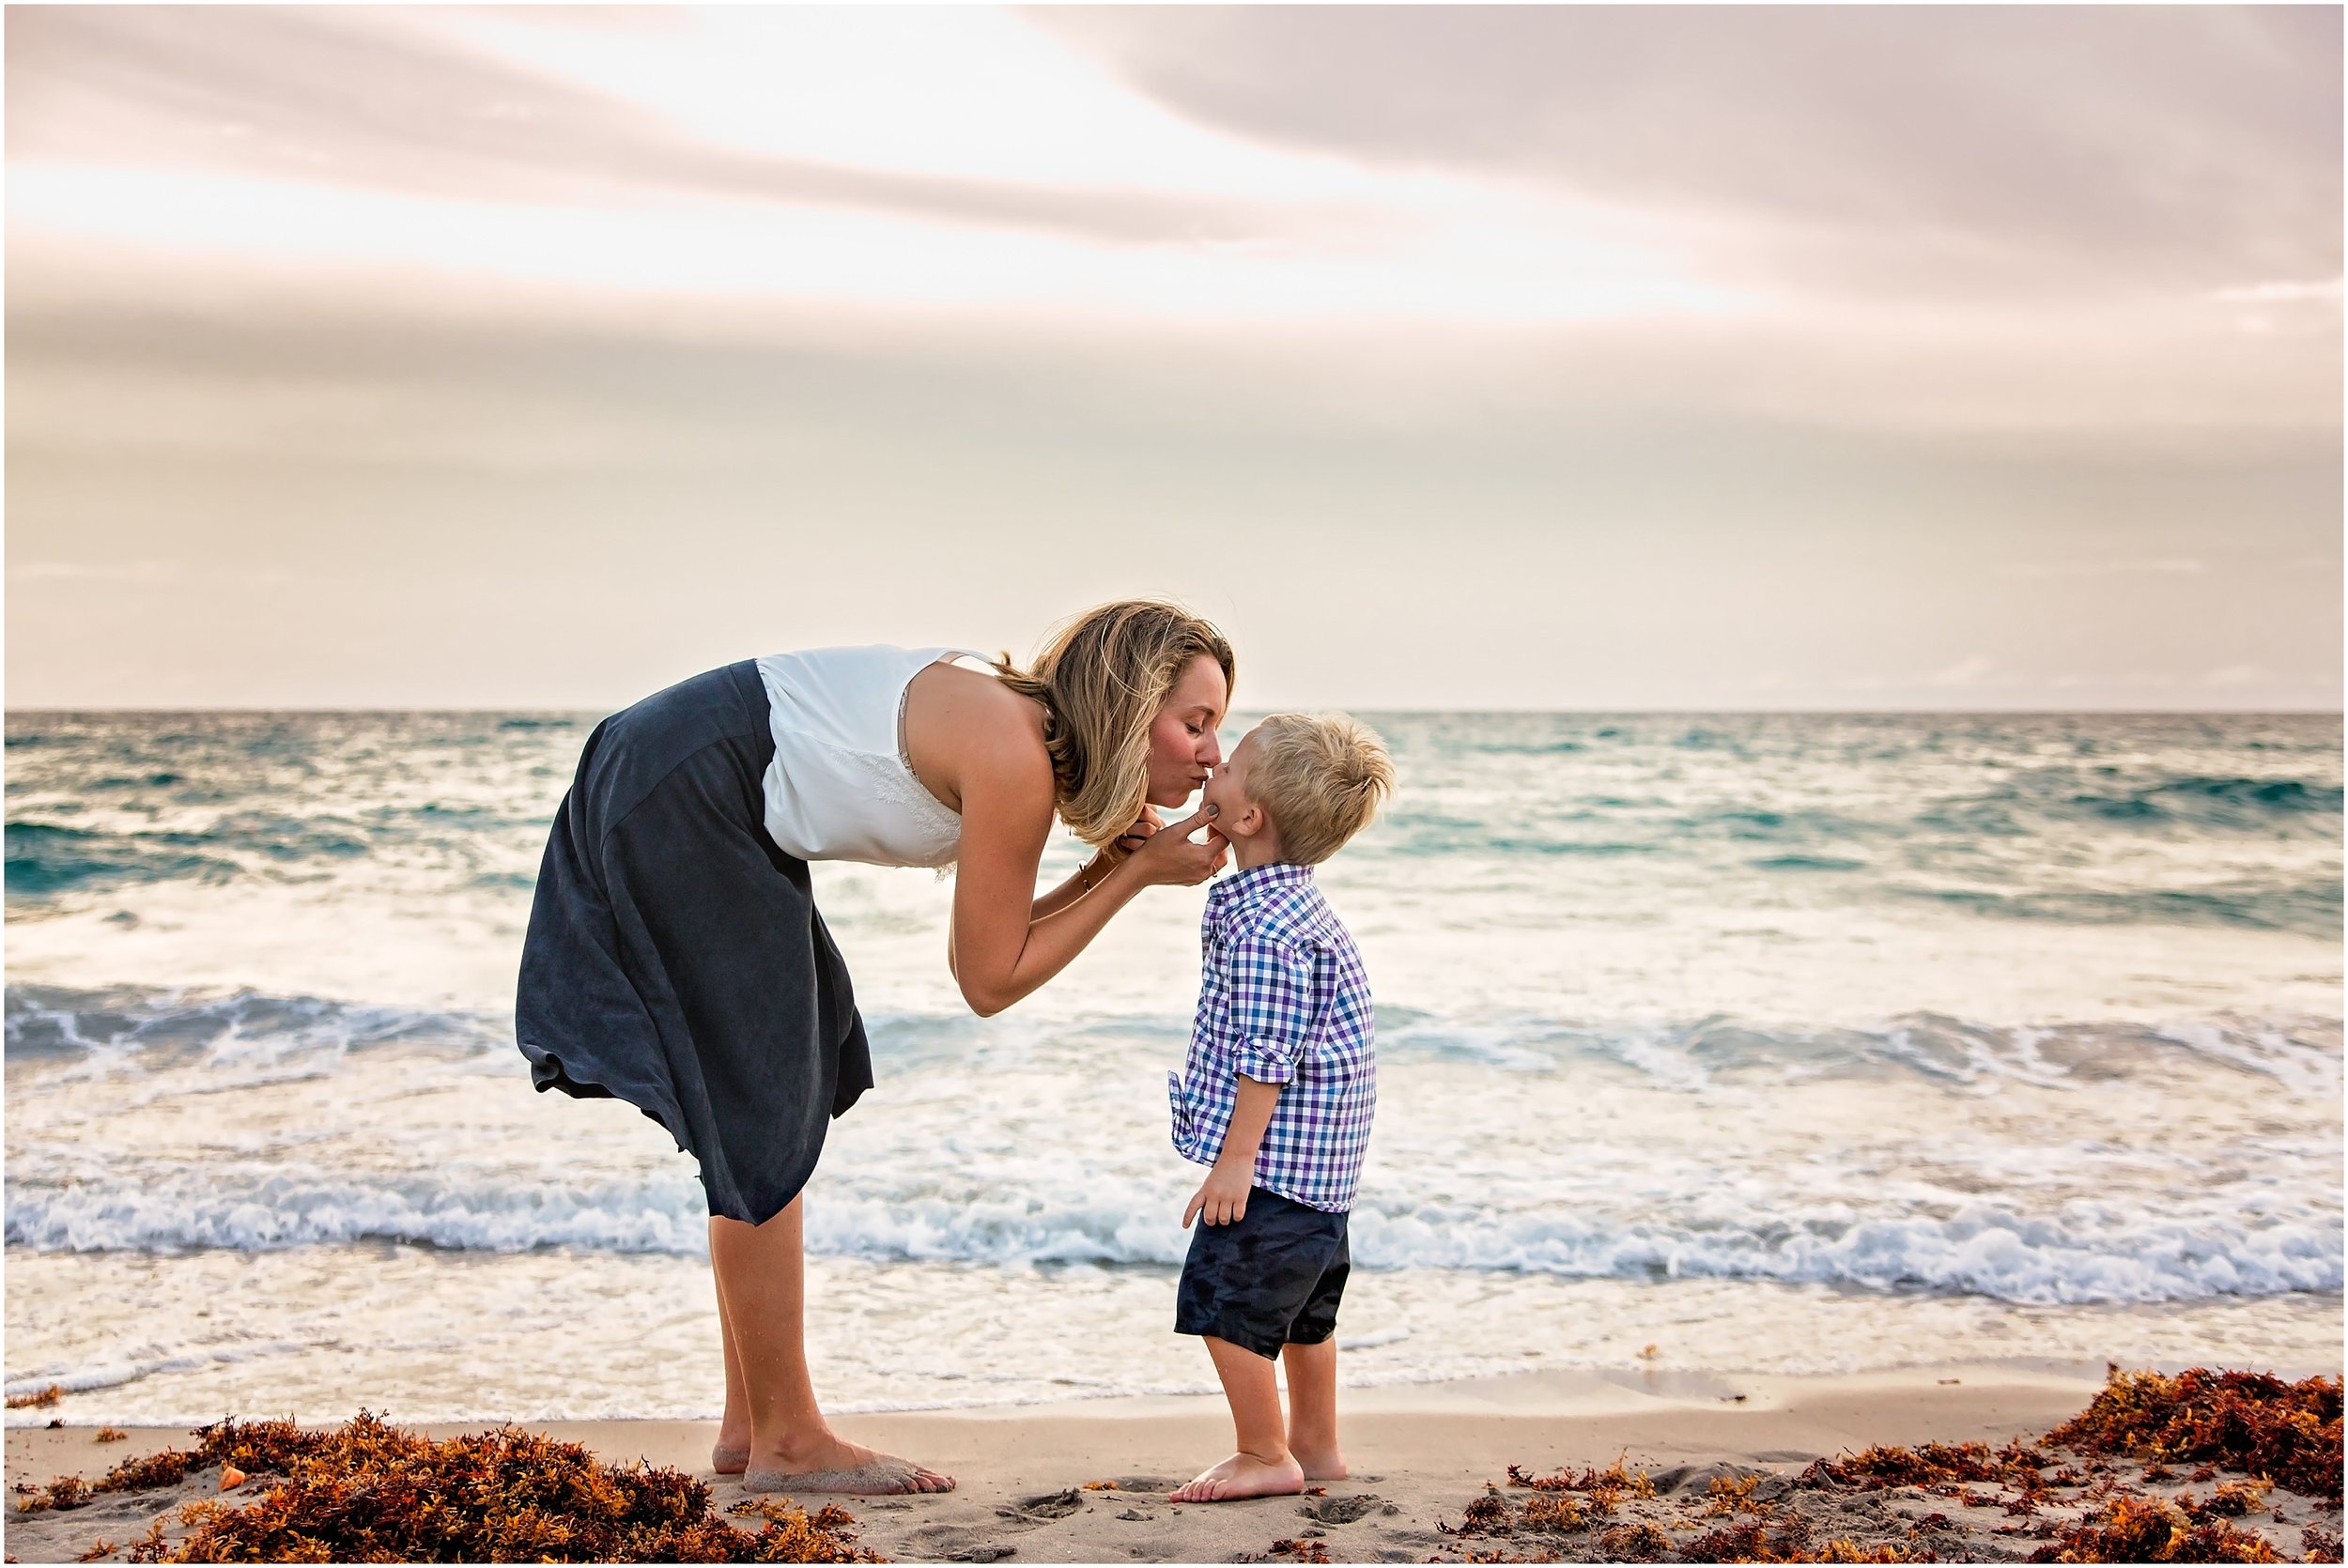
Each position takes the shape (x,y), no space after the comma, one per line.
(987,714)
(968,728)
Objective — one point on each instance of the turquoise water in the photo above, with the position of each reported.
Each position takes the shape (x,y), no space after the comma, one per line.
(1965,1035)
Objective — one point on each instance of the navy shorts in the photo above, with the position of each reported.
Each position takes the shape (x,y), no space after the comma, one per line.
(1272,1278)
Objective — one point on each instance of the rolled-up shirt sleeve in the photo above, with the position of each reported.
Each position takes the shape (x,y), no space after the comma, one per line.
(1270,1006)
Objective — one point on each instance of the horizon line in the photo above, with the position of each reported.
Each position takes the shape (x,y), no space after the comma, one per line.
(10,712)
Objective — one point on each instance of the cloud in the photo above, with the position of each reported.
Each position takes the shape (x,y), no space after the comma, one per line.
(78,571)
(1915,147)
(389,101)
(932,172)
(1703,343)
(2164,566)
(155,573)
(2325,292)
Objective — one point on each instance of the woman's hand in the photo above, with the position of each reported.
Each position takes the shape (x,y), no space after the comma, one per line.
(1144,829)
(1166,855)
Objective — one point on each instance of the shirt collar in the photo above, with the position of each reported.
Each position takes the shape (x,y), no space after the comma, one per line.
(1242,888)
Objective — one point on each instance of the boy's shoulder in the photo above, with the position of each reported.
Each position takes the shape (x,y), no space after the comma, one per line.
(1289,915)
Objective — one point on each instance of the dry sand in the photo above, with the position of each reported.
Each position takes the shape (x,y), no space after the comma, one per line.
(1419,1453)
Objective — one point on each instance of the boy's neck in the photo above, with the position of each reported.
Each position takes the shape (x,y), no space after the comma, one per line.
(1262,850)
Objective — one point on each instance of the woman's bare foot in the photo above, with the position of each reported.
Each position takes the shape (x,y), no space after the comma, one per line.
(1243,1475)
(1325,1466)
(836,1465)
(727,1458)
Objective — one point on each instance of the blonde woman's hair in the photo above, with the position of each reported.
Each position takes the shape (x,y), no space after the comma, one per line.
(1100,679)
(1320,779)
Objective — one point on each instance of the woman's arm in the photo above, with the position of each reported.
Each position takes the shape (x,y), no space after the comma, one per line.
(1005,941)
(1082,881)
(1088,876)
(1092,872)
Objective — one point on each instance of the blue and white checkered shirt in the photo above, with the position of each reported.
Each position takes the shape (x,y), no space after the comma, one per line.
(1283,999)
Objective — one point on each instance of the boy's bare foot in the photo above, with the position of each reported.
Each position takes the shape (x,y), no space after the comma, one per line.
(1243,1475)
(1325,1466)
(837,1465)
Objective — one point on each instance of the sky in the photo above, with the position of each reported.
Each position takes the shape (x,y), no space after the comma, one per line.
(1671,357)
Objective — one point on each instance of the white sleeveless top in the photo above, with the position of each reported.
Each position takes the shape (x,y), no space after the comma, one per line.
(840,787)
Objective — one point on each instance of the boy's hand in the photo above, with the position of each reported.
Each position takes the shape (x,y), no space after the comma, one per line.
(1222,1198)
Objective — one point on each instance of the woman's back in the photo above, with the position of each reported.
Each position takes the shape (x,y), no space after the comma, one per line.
(840,787)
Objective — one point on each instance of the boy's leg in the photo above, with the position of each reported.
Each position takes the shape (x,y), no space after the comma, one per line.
(1311,1354)
(1263,1467)
(1313,1408)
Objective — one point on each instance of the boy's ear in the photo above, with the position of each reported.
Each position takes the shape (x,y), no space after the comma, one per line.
(1245,823)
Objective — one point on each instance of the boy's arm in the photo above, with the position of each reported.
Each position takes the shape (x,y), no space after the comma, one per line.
(1223,1197)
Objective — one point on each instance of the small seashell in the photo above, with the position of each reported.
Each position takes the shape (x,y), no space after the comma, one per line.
(230,1477)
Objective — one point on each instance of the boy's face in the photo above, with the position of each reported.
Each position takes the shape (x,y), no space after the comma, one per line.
(1227,792)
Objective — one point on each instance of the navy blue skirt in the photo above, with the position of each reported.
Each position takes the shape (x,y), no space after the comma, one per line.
(675,960)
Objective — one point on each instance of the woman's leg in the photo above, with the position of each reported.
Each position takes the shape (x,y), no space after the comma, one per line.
(732,1454)
(762,1292)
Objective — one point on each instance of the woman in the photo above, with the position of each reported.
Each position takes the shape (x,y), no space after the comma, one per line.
(675,959)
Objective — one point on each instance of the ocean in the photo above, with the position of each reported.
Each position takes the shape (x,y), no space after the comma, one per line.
(1708,1043)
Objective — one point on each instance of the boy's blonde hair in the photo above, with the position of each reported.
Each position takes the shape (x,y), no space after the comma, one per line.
(1320,779)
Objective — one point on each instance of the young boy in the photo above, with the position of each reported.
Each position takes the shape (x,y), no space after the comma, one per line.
(1276,1095)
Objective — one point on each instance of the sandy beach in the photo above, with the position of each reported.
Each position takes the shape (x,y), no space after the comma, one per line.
(1032,1477)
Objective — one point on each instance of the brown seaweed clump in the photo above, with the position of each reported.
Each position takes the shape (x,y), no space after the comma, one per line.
(41,1399)
(131,1475)
(2250,1421)
(1943,1470)
(1638,1542)
(2231,1500)
(1600,1491)
(2138,1528)
(370,1492)
(1487,1515)
(1751,1541)
(63,1492)
(1560,1503)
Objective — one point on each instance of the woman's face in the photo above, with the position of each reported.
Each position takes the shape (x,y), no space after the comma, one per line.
(1182,748)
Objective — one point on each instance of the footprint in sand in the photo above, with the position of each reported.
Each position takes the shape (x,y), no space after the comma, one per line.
(955,1544)
(1341,1510)
(1051,1505)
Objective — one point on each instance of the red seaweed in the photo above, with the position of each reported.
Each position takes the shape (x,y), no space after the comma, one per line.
(371,1492)
(2250,1422)
(2148,1529)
